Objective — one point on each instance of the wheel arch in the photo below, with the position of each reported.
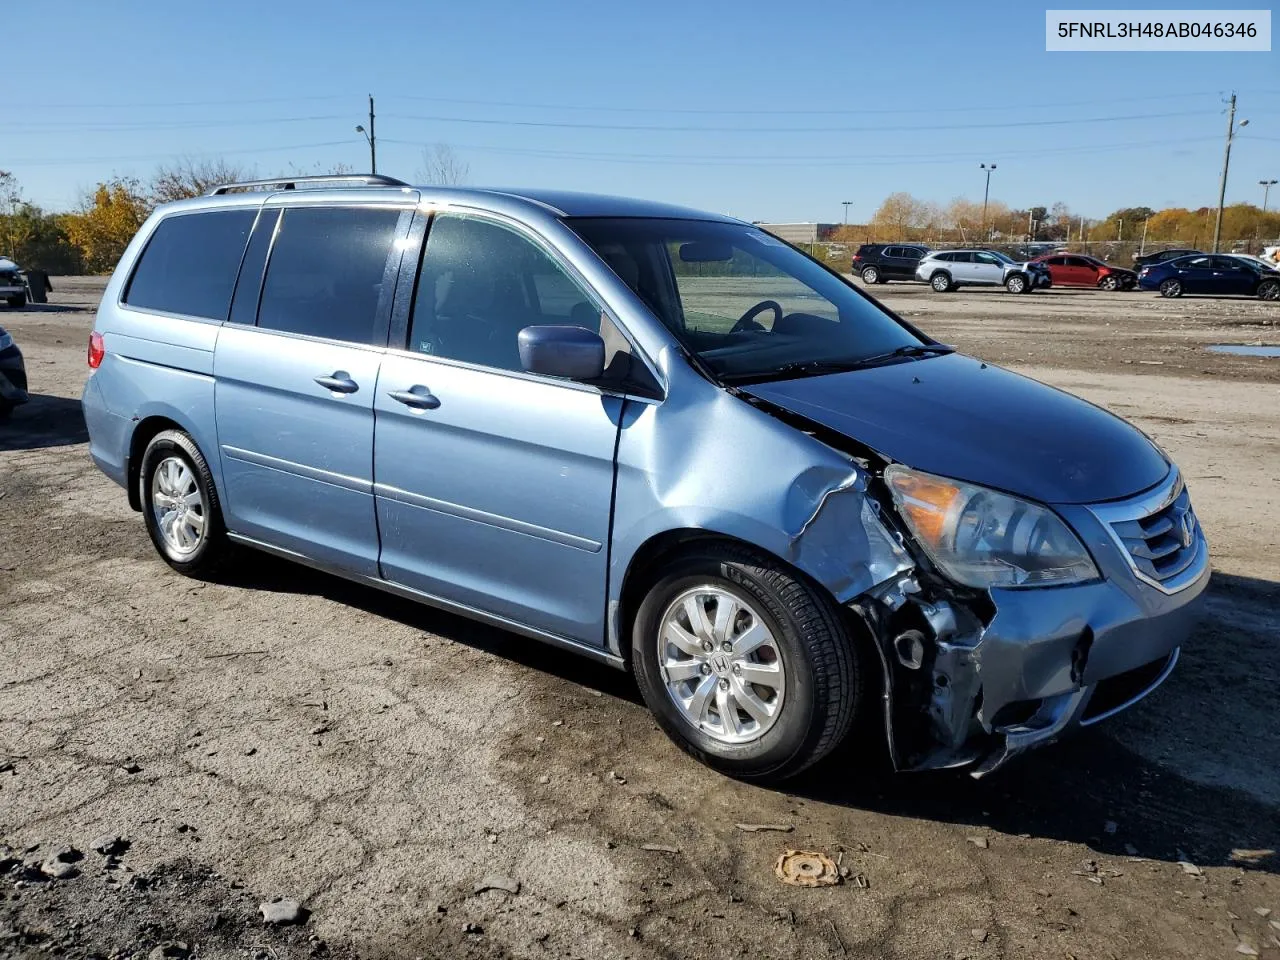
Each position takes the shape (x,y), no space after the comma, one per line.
(144,431)
(648,560)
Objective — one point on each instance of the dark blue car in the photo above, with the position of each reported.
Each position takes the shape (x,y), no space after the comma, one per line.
(1213,274)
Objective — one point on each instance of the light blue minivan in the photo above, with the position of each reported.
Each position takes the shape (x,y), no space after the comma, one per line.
(660,438)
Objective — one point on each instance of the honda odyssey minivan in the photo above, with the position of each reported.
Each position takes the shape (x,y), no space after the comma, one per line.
(659,438)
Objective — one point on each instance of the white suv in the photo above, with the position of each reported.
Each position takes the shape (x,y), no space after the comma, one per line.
(948,269)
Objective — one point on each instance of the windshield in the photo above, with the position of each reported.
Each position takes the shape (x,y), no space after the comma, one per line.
(1001,256)
(746,304)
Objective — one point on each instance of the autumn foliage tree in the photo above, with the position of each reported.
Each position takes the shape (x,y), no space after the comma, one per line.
(106,222)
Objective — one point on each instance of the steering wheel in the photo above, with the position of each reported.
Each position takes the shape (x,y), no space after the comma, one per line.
(748,320)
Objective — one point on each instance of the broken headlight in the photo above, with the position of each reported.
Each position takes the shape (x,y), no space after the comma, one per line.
(982,538)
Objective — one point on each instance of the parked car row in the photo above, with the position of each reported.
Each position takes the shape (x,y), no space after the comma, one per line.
(1172,272)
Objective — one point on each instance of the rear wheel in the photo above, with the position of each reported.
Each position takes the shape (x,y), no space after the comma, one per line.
(180,504)
(745,666)
(871,275)
(1171,288)
(19,301)
(941,282)
(1269,290)
(1017,284)
(1109,283)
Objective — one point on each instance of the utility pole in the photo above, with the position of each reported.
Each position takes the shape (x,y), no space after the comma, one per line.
(1142,246)
(371,138)
(1120,231)
(1226,162)
(845,204)
(985,193)
(1266,191)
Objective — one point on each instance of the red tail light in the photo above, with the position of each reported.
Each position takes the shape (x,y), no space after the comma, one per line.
(857,256)
(97,350)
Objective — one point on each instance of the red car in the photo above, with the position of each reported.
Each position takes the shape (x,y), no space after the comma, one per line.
(1078,270)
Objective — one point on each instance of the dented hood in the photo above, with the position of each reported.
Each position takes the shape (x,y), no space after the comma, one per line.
(956,417)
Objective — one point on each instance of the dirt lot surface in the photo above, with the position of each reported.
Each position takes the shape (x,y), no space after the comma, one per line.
(281,733)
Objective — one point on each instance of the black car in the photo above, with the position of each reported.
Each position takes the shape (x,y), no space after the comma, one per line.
(1163,255)
(880,262)
(13,375)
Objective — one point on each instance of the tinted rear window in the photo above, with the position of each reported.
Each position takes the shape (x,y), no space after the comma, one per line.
(328,271)
(189,265)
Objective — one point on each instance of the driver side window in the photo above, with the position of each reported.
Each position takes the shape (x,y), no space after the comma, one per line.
(717,295)
(480,284)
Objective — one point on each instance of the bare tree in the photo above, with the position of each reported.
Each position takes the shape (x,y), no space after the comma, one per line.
(442,167)
(191,178)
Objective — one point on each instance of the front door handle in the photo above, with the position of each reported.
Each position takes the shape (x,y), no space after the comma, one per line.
(418,397)
(339,382)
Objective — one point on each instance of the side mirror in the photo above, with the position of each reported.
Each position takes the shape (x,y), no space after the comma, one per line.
(574,353)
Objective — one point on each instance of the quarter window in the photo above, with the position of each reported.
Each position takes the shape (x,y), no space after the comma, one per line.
(328,272)
(481,283)
(189,265)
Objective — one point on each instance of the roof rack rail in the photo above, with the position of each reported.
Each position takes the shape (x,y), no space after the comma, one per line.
(291,183)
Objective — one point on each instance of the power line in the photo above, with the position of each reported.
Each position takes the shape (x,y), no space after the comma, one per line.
(1002,107)
(702,128)
(39,126)
(151,157)
(808,160)
(188,103)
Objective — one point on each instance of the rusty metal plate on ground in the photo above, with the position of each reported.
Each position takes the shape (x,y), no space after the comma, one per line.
(806,868)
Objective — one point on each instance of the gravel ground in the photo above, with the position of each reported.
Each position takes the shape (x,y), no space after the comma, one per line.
(281,733)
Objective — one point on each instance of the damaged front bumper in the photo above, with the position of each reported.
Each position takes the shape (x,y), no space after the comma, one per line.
(973,678)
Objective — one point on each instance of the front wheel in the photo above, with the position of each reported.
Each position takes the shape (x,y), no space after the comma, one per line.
(1108,283)
(1017,284)
(1171,288)
(745,666)
(180,504)
(1269,290)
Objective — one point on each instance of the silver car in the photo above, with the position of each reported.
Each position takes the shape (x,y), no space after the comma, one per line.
(948,269)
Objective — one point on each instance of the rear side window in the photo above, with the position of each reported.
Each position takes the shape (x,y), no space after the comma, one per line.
(190,263)
(893,252)
(328,272)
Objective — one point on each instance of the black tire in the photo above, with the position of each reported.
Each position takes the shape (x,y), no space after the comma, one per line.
(871,275)
(6,410)
(1018,283)
(18,302)
(823,666)
(1109,283)
(1269,290)
(941,282)
(213,546)
(1171,288)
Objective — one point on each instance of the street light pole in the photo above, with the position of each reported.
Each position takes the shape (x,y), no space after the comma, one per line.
(1226,162)
(986,192)
(846,204)
(1266,191)
(371,138)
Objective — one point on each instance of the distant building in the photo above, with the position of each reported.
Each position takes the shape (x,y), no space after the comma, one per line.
(800,232)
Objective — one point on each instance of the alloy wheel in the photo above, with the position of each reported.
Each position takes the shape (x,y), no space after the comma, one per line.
(178,506)
(721,665)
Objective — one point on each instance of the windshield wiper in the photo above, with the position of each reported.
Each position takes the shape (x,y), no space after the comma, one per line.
(910,350)
(816,368)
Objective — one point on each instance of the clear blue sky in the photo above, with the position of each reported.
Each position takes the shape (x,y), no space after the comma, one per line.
(765,110)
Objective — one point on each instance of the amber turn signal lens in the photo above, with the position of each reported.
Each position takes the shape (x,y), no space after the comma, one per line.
(926,501)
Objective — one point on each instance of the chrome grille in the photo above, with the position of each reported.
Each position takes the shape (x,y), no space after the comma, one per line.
(1159,534)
